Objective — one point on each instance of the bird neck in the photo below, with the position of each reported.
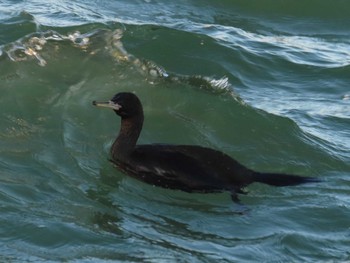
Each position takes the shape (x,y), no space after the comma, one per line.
(125,143)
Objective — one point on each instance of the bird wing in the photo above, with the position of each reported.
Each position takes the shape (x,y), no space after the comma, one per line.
(175,167)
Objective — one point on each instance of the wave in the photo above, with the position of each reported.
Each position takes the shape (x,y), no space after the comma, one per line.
(322,9)
(39,46)
(96,41)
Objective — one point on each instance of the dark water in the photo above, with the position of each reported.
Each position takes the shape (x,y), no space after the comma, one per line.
(267,82)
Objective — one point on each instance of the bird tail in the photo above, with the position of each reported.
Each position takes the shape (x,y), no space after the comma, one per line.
(277,179)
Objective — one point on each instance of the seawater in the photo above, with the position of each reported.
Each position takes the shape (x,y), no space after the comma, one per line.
(266,82)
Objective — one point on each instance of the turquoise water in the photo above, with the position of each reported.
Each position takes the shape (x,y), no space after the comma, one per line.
(267,82)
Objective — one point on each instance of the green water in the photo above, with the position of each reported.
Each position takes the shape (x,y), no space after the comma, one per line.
(244,79)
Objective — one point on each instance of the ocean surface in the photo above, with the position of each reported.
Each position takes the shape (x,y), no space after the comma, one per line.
(265,81)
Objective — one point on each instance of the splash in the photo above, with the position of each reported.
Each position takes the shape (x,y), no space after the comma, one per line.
(346,97)
(33,45)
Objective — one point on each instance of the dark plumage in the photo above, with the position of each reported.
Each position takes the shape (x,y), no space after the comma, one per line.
(188,168)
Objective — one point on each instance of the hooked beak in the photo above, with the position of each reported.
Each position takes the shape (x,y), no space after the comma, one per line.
(107,104)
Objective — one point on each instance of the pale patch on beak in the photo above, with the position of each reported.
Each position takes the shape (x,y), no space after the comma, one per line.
(107,104)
